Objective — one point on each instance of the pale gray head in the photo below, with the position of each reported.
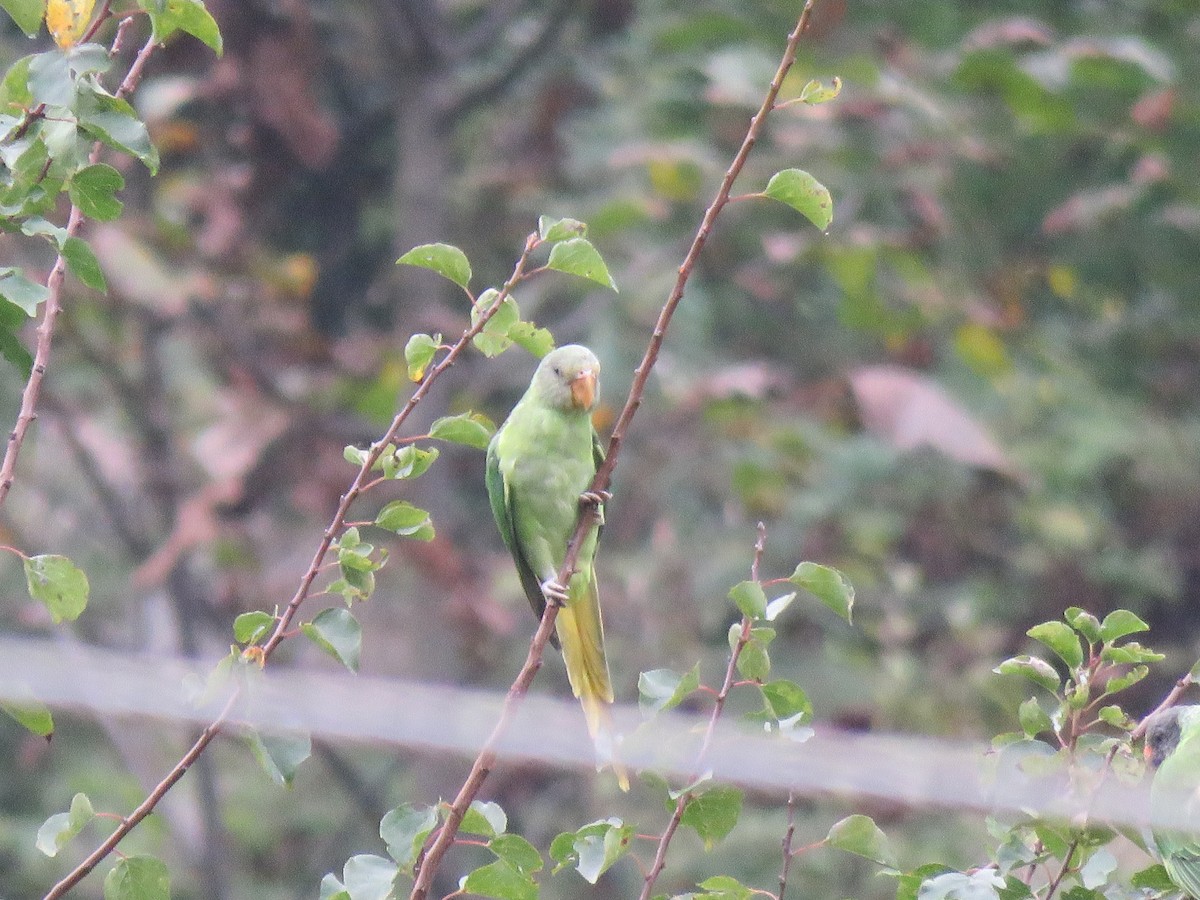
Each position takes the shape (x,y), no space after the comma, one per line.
(568,378)
(1163,731)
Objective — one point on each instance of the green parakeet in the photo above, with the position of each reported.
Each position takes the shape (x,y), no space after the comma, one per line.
(1173,748)
(539,465)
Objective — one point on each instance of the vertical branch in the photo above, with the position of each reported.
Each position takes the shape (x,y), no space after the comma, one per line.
(427,866)
(53,304)
(664,842)
(787,843)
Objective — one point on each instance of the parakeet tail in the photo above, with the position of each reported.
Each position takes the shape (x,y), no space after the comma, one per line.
(581,635)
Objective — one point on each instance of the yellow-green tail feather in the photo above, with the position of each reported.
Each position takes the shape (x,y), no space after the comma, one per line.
(581,634)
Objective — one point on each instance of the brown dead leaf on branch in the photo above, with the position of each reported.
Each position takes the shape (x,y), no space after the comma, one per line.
(911,411)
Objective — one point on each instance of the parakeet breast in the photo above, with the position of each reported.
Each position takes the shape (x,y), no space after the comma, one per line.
(546,457)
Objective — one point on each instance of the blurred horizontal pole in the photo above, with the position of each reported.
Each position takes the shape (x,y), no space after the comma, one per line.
(916,771)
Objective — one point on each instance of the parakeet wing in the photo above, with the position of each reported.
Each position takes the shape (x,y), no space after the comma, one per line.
(1178,782)
(502,502)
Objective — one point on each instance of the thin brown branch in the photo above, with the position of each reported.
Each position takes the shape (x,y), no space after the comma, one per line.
(664,843)
(145,807)
(430,860)
(427,866)
(787,844)
(53,306)
(303,590)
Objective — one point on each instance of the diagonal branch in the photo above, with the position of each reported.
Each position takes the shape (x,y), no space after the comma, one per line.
(336,524)
(428,864)
(664,842)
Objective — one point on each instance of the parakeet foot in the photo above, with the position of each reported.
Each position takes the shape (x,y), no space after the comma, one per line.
(594,498)
(555,593)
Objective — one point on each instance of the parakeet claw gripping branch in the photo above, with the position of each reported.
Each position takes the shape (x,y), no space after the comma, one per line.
(540,465)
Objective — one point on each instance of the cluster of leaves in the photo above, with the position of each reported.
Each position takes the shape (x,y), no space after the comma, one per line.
(711,810)
(1074,729)
(55,114)
(54,109)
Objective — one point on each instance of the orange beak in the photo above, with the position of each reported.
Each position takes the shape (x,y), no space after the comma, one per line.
(583,389)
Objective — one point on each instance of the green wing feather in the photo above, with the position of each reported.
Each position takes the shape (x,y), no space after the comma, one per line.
(503,510)
(1176,785)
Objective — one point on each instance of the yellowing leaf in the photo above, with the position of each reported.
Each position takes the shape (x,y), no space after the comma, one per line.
(67,20)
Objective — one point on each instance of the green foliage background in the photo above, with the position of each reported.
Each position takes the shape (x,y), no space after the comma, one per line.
(1017,222)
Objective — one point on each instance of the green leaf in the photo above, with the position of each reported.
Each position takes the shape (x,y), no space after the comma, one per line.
(138,878)
(113,122)
(1035,669)
(828,585)
(713,813)
(406,520)
(471,429)
(593,848)
(50,79)
(1033,718)
(1154,878)
(787,700)
(33,716)
(538,341)
(493,339)
(26,13)
(369,877)
(485,818)
(577,256)
(517,852)
(1061,639)
(1083,622)
(1132,653)
(419,353)
(754,662)
(408,462)
(20,291)
(446,260)
(723,887)
(861,836)
(55,582)
(552,230)
(749,597)
(1115,716)
(251,627)
(1121,682)
(280,755)
(815,92)
(1119,623)
(12,349)
(404,830)
(58,830)
(803,193)
(338,633)
(1100,865)
(502,880)
(982,884)
(189,16)
(663,689)
(93,189)
(83,263)
(332,889)
(778,605)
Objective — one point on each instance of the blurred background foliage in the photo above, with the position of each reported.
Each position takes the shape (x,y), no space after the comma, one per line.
(976,395)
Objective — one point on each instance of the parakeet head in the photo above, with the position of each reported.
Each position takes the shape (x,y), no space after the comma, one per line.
(567,378)
(1164,730)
